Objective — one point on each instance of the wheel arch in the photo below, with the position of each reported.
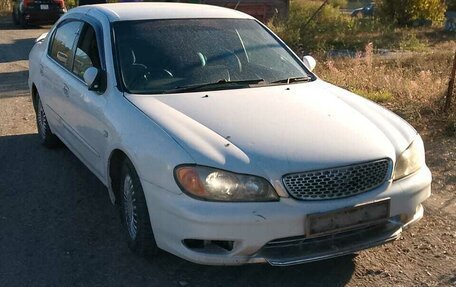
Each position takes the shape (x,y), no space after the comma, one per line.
(34,97)
(116,159)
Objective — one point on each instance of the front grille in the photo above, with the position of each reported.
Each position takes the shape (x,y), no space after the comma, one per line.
(337,182)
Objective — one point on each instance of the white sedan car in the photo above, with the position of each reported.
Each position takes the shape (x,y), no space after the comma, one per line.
(217,142)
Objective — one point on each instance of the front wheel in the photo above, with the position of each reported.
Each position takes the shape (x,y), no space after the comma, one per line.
(134,213)
(47,138)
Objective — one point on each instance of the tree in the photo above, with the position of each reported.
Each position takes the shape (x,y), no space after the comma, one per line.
(5,5)
(409,12)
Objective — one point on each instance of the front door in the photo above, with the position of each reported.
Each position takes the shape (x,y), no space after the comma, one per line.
(85,115)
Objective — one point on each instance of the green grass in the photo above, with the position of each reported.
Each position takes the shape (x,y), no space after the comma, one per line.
(333,30)
(410,42)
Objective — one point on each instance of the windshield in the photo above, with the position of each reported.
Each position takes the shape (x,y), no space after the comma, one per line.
(159,56)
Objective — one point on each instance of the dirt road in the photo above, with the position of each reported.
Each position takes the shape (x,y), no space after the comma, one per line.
(58,228)
(15,46)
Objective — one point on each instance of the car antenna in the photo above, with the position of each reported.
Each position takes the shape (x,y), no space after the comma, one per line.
(314,14)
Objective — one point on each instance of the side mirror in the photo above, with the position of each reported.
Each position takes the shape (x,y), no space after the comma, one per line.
(41,37)
(309,62)
(92,77)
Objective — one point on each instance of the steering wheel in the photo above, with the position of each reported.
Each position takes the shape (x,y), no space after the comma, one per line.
(139,75)
(234,60)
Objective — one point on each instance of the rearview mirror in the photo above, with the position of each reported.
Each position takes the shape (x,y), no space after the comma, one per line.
(92,78)
(309,62)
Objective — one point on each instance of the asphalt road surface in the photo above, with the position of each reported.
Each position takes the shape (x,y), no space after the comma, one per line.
(58,227)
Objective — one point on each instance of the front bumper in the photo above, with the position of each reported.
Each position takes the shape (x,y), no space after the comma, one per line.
(284,252)
(274,232)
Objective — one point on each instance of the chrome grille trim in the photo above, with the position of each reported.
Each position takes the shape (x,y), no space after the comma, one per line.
(338,182)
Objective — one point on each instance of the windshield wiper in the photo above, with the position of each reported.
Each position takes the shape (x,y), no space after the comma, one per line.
(293,80)
(219,84)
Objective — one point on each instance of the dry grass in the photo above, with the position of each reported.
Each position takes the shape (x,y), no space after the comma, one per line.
(412,84)
(5,6)
(412,78)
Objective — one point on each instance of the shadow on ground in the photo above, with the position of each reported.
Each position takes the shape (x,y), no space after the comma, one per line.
(58,228)
(13,84)
(16,51)
(6,23)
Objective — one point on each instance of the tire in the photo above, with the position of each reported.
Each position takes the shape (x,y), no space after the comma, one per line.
(47,138)
(134,213)
(22,22)
(14,15)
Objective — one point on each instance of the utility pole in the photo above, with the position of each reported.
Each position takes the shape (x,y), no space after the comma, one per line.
(315,14)
(450,94)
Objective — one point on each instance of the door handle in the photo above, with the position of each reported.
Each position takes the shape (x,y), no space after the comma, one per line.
(66,90)
(62,57)
(41,70)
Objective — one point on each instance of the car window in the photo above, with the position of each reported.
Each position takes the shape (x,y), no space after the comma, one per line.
(62,44)
(86,52)
(263,50)
(157,56)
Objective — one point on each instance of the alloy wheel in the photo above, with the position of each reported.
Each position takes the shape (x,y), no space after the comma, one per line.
(129,202)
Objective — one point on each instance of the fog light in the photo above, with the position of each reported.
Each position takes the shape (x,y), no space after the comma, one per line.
(208,245)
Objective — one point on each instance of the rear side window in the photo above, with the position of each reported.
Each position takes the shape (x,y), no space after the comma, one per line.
(61,48)
(86,52)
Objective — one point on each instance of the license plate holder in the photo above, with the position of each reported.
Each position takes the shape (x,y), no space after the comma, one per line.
(344,219)
(44,7)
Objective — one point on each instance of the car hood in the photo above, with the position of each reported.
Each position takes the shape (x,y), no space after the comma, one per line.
(271,131)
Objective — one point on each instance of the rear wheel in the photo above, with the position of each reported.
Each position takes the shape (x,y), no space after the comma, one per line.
(134,213)
(14,15)
(47,138)
(22,22)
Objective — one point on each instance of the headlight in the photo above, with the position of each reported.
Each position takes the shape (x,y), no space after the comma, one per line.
(411,160)
(218,185)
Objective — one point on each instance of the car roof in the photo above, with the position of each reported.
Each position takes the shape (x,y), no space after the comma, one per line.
(145,11)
